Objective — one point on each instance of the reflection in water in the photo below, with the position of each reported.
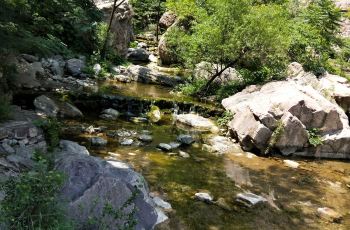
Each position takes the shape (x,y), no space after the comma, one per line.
(238,174)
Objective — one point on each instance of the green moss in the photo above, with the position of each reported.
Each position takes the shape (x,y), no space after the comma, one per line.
(277,133)
(314,137)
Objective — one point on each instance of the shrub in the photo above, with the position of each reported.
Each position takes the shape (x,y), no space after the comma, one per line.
(31,200)
(52,129)
(225,118)
(314,137)
(275,136)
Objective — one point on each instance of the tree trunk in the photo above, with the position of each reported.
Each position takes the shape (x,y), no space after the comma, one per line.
(104,48)
(230,64)
(158,18)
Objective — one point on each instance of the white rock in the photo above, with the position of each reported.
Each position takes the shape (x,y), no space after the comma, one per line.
(161,203)
(329,214)
(202,196)
(291,164)
(197,122)
(184,154)
(250,199)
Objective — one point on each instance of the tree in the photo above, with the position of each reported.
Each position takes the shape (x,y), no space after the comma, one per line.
(234,33)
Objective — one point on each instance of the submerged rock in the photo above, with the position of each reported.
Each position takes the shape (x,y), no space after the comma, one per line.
(185,139)
(329,214)
(127,141)
(250,199)
(98,141)
(145,138)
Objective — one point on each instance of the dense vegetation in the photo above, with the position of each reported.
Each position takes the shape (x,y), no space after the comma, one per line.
(259,39)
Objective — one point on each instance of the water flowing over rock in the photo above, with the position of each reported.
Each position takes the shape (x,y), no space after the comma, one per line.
(121,28)
(92,179)
(282,113)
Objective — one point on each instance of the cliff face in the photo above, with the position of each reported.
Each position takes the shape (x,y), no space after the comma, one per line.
(121,26)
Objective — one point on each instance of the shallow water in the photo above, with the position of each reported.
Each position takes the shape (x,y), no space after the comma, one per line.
(297,192)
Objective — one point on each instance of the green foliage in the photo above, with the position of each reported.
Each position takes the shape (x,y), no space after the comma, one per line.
(314,137)
(52,130)
(257,35)
(191,88)
(146,12)
(31,199)
(226,117)
(5,109)
(125,214)
(46,27)
(275,136)
(315,34)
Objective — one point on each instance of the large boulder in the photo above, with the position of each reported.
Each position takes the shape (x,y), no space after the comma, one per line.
(147,75)
(137,55)
(167,57)
(121,28)
(279,115)
(93,183)
(28,74)
(205,70)
(53,108)
(75,66)
(167,20)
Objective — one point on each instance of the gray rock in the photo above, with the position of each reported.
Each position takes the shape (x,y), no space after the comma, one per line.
(109,114)
(46,105)
(197,122)
(73,147)
(174,145)
(75,66)
(150,76)
(127,141)
(223,145)
(92,179)
(185,139)
(98,141)
(164,147)
(138,55)
(29,58)
(122,78)
(7,148)
(145,138)
(68,110)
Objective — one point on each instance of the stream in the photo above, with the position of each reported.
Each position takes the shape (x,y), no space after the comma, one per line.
(293,194)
